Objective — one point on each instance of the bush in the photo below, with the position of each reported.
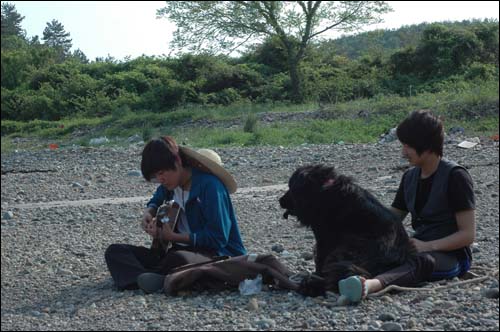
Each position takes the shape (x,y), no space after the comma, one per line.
(224,97)
(250,124)
(481,71)
(9,127)
(275,89)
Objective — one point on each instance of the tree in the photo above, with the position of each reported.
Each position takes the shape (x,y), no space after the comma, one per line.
(11,21)
(80,56)
(55,36)
(215,26)
(269,53)
(444,51)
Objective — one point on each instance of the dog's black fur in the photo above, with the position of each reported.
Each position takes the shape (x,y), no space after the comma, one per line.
(355,234)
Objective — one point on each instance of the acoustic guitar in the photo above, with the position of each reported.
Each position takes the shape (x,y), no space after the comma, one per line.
(168,212)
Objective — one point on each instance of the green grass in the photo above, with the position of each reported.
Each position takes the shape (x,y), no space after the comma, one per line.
(7,145)
(128,119)
(476,110)
(313,132)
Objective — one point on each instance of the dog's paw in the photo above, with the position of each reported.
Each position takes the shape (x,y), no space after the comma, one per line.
(312,285)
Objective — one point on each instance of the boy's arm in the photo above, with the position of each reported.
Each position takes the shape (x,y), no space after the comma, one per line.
(398,213)
(158,197)
(465,235)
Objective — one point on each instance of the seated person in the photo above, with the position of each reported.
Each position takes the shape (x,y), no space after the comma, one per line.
(439,196)
(207,225)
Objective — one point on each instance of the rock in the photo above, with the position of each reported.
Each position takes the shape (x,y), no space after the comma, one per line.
(494,284)
(64,272)
(490,293)
(36,313)
(253,305)
(390,136)
(391,327)
(411,324)
(386,317)
(307,256)
(7,215)
(285,254)
(135,173)
(267,181)
(456,131)
(386,298)
(266,323)
(277,248)
(74,238)
(135,139)
(343,301)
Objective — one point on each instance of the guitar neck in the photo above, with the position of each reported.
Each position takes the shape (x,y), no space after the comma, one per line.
(176,219)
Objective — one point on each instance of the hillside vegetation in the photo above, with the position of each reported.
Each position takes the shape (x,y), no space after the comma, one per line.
(452,68)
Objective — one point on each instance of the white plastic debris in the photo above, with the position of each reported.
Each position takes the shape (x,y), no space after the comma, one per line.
(467,144)
(251,286)
(99,141)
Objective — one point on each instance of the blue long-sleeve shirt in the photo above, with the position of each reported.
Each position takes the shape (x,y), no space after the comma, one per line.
(210,214)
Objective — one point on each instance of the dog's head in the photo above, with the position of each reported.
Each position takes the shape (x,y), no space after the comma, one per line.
(304,191)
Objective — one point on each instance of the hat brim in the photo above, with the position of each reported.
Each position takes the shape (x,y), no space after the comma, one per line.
(207,165)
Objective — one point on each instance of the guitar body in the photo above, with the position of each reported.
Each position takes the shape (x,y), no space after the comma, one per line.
(168,212)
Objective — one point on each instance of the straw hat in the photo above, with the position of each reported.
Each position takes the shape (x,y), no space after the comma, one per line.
(209,161)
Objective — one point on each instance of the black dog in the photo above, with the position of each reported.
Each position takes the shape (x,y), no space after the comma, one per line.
(355,234)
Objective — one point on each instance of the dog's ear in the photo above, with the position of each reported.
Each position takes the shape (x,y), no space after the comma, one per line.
(285,200)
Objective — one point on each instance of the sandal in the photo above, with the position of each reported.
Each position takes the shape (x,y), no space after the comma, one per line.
(353,288)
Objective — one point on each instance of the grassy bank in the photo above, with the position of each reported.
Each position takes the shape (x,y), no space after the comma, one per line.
(315,132)
(358,121)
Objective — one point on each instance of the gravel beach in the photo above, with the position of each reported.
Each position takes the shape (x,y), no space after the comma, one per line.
(54,276)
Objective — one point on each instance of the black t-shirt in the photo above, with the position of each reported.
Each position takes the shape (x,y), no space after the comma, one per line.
(460,192)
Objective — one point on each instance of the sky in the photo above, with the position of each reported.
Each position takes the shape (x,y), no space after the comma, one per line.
(130,28)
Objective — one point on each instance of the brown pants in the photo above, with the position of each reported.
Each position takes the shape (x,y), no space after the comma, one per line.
(126,262)
(426,266)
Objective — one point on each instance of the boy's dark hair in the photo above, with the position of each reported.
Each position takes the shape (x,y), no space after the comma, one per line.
(160,154)
(422,131)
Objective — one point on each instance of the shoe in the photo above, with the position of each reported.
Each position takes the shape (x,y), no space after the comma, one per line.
(150,282)
(353,288)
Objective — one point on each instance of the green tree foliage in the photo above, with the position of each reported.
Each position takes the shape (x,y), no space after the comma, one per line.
(36,83)
(225,25)
(444,52)
(387,42)
(487,34)
(13,35)
(56,37)
(79,56)
(15,69)
(11,21)
(270,55)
